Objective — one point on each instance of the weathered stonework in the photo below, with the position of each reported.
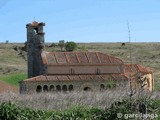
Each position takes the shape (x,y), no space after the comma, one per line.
(97,83)
(35,44)
(78,71)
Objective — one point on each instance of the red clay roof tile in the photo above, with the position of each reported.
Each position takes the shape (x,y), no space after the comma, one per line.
(86,58)
(135,68)
(76,77)
(52,58)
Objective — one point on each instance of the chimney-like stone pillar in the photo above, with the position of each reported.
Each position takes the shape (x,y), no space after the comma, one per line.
(35,45)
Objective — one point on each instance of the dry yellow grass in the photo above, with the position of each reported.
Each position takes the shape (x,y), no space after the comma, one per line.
(60,101)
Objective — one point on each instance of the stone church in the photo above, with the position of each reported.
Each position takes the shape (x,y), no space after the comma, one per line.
(77,71)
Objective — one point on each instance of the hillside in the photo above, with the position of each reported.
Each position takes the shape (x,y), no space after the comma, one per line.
(4,87)
(147,54)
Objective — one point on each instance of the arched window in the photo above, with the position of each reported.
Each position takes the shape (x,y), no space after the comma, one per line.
(102,87)
(70,87)
(35,31)
(64,87)
(58,88)
(45,88)
(39,89)
(51,88)
(87,89)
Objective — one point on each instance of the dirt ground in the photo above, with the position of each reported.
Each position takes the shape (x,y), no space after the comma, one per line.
(5,87)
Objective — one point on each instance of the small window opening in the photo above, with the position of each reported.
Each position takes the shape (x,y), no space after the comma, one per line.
(98,71)
(102,87)
(64,87)
(45,88)
(72,71)
(87,89)
(58,88)
(36,30)
(39,89)
(70,87)
(51,88)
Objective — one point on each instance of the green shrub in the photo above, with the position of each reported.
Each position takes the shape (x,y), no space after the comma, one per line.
(11,111)
(70,46)
(136,106)
(111,83)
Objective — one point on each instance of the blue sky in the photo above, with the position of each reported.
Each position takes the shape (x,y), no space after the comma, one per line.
(82,20)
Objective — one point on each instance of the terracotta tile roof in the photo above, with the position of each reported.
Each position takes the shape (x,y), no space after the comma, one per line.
(86,58)
(135,68)
(57,58)
(34,23)
(75,77)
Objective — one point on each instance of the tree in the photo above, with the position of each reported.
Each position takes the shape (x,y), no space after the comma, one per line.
(7,41)
(70,46)
(61,44)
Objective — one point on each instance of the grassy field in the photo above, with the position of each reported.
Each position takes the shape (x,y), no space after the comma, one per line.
(146,54)
(13,78)
(82,105)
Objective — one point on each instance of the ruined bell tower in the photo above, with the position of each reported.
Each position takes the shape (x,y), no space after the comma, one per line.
(35,45)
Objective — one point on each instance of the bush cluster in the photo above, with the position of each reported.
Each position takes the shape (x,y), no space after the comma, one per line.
(11,111)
